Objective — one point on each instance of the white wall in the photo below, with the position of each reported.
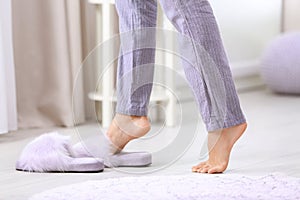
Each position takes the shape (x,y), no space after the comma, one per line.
(292,15)
(247,26)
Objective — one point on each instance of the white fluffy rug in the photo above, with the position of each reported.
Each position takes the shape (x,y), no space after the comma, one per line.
(194,186)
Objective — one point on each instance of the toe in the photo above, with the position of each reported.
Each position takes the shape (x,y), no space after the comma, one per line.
(197,167)
(194,169)
(200,169)
(205,169)
(216,169)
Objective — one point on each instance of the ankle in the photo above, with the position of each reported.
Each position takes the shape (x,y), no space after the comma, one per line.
(239,126)
(139,121)
(130,124)
(143,123)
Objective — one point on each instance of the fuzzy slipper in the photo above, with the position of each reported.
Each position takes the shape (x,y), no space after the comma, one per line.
(52,152)
(101,147)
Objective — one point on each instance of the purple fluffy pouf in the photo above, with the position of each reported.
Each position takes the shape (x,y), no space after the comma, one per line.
(281,64)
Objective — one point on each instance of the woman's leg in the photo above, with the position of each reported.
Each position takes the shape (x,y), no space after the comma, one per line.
(207,69)
(137,21)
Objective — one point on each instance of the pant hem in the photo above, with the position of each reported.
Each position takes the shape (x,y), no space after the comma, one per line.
(214,127)
(133,112)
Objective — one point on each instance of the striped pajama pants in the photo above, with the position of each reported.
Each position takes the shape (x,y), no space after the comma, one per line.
(204,59)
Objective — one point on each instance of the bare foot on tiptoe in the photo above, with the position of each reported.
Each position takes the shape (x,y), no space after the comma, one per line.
(125,128)
(220,144)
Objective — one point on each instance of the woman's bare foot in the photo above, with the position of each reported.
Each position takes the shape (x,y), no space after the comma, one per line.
(125,128)
(220,144)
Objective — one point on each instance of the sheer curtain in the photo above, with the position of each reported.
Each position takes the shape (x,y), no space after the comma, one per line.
(51,39)
(8,113)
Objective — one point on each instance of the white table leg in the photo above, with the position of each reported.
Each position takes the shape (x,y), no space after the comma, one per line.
(170,82)
(108,76)
(98,62)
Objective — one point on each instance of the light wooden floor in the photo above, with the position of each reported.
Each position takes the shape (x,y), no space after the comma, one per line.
(271,144)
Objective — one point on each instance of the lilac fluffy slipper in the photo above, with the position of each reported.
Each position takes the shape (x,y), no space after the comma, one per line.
(52,152)
(101,148)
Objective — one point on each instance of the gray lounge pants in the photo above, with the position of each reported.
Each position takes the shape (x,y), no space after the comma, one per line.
(204,59)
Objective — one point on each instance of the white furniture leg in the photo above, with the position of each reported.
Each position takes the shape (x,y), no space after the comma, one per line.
(169,77)
(108,73)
